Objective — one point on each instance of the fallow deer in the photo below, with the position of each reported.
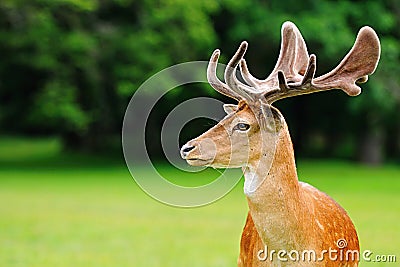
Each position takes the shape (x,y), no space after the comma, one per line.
(284,214)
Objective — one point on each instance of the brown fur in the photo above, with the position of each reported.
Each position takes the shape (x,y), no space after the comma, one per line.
(310,205)
(285,214)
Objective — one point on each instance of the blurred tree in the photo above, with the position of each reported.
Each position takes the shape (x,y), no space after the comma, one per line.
(69,67)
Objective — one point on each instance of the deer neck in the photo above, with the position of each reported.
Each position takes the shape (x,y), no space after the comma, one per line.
(275,205)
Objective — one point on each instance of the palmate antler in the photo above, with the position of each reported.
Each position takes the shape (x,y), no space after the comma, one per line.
(295,69)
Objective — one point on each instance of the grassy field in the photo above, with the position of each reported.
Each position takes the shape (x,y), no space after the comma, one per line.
(68,210)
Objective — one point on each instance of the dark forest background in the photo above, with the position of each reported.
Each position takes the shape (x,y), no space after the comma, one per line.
(68,68)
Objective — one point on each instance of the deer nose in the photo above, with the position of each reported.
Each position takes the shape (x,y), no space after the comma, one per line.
(186,149)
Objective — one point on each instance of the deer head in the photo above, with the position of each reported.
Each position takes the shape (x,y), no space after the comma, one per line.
(251,129)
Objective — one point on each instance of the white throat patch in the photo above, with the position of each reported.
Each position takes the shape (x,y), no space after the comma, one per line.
(251,182)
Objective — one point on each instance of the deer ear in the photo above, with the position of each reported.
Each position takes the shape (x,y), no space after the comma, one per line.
(230,108)
(271,119)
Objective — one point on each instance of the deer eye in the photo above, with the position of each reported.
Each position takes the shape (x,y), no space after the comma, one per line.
(241,126)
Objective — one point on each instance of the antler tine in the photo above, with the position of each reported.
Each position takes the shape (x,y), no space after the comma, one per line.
(250,79)
(310,71)
(215,82)
(287,90)
(230,75)
(234,88)
(293,55)
(292,61)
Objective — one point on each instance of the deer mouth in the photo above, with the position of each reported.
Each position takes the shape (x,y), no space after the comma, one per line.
(198,161)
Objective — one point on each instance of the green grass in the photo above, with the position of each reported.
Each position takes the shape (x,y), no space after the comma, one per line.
(58,210)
